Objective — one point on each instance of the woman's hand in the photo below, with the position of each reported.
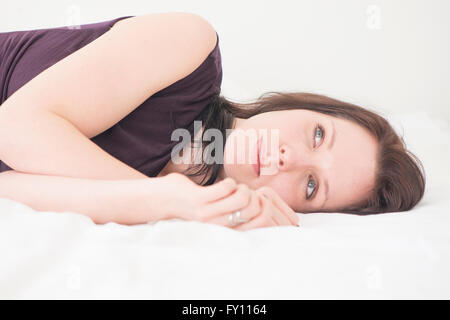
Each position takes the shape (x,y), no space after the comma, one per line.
(274,211)
(213,204)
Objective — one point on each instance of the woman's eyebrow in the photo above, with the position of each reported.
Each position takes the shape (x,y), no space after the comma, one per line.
(333,136)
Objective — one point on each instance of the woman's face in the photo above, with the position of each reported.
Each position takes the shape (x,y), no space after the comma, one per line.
(329,160)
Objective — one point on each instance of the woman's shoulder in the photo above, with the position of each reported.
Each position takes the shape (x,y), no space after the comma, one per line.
(207,71)
(203,82)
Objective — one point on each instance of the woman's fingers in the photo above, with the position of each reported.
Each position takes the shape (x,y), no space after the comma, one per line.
(247,213)
(258,208)
(237,200)
(253,209)
(281,204)
(219,190)
(264,219)
(274,211)
(271,214)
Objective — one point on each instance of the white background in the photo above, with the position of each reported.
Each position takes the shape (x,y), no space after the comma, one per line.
(390,56)
(386,55)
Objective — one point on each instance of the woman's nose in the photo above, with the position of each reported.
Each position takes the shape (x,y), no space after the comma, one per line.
(290,159)
(300,158)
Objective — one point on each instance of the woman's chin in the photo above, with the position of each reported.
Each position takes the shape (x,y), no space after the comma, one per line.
(242,173)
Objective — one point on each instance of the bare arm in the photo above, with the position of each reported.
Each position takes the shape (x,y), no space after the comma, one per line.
(46,125)
(45,143)
(135,201)
(131,201)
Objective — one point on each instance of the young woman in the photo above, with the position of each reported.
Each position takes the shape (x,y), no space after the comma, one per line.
(88,114)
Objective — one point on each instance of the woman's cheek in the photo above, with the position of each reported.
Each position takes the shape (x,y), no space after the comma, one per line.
(231,166)
(286,190)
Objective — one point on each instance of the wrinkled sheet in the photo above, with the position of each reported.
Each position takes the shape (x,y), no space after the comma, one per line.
(405,255)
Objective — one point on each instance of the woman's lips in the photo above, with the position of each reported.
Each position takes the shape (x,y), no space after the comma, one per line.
(256,166)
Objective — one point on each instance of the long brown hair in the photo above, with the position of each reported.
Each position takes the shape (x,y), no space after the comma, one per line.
(400,175)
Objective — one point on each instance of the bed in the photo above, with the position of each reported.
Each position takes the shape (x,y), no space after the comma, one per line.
(405,255)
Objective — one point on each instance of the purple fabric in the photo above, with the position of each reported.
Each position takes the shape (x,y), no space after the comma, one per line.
(142,138)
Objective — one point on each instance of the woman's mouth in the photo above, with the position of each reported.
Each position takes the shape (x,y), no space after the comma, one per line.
(256,166)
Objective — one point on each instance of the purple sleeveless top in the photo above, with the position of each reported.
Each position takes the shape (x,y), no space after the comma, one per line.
(142,138)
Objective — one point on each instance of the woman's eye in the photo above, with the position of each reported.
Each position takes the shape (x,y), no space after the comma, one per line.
(312,186)
(318,134)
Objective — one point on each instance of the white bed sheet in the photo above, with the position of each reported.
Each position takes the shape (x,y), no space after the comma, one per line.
(332,256)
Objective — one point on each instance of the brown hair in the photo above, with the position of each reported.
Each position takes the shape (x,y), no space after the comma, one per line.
(400,176)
